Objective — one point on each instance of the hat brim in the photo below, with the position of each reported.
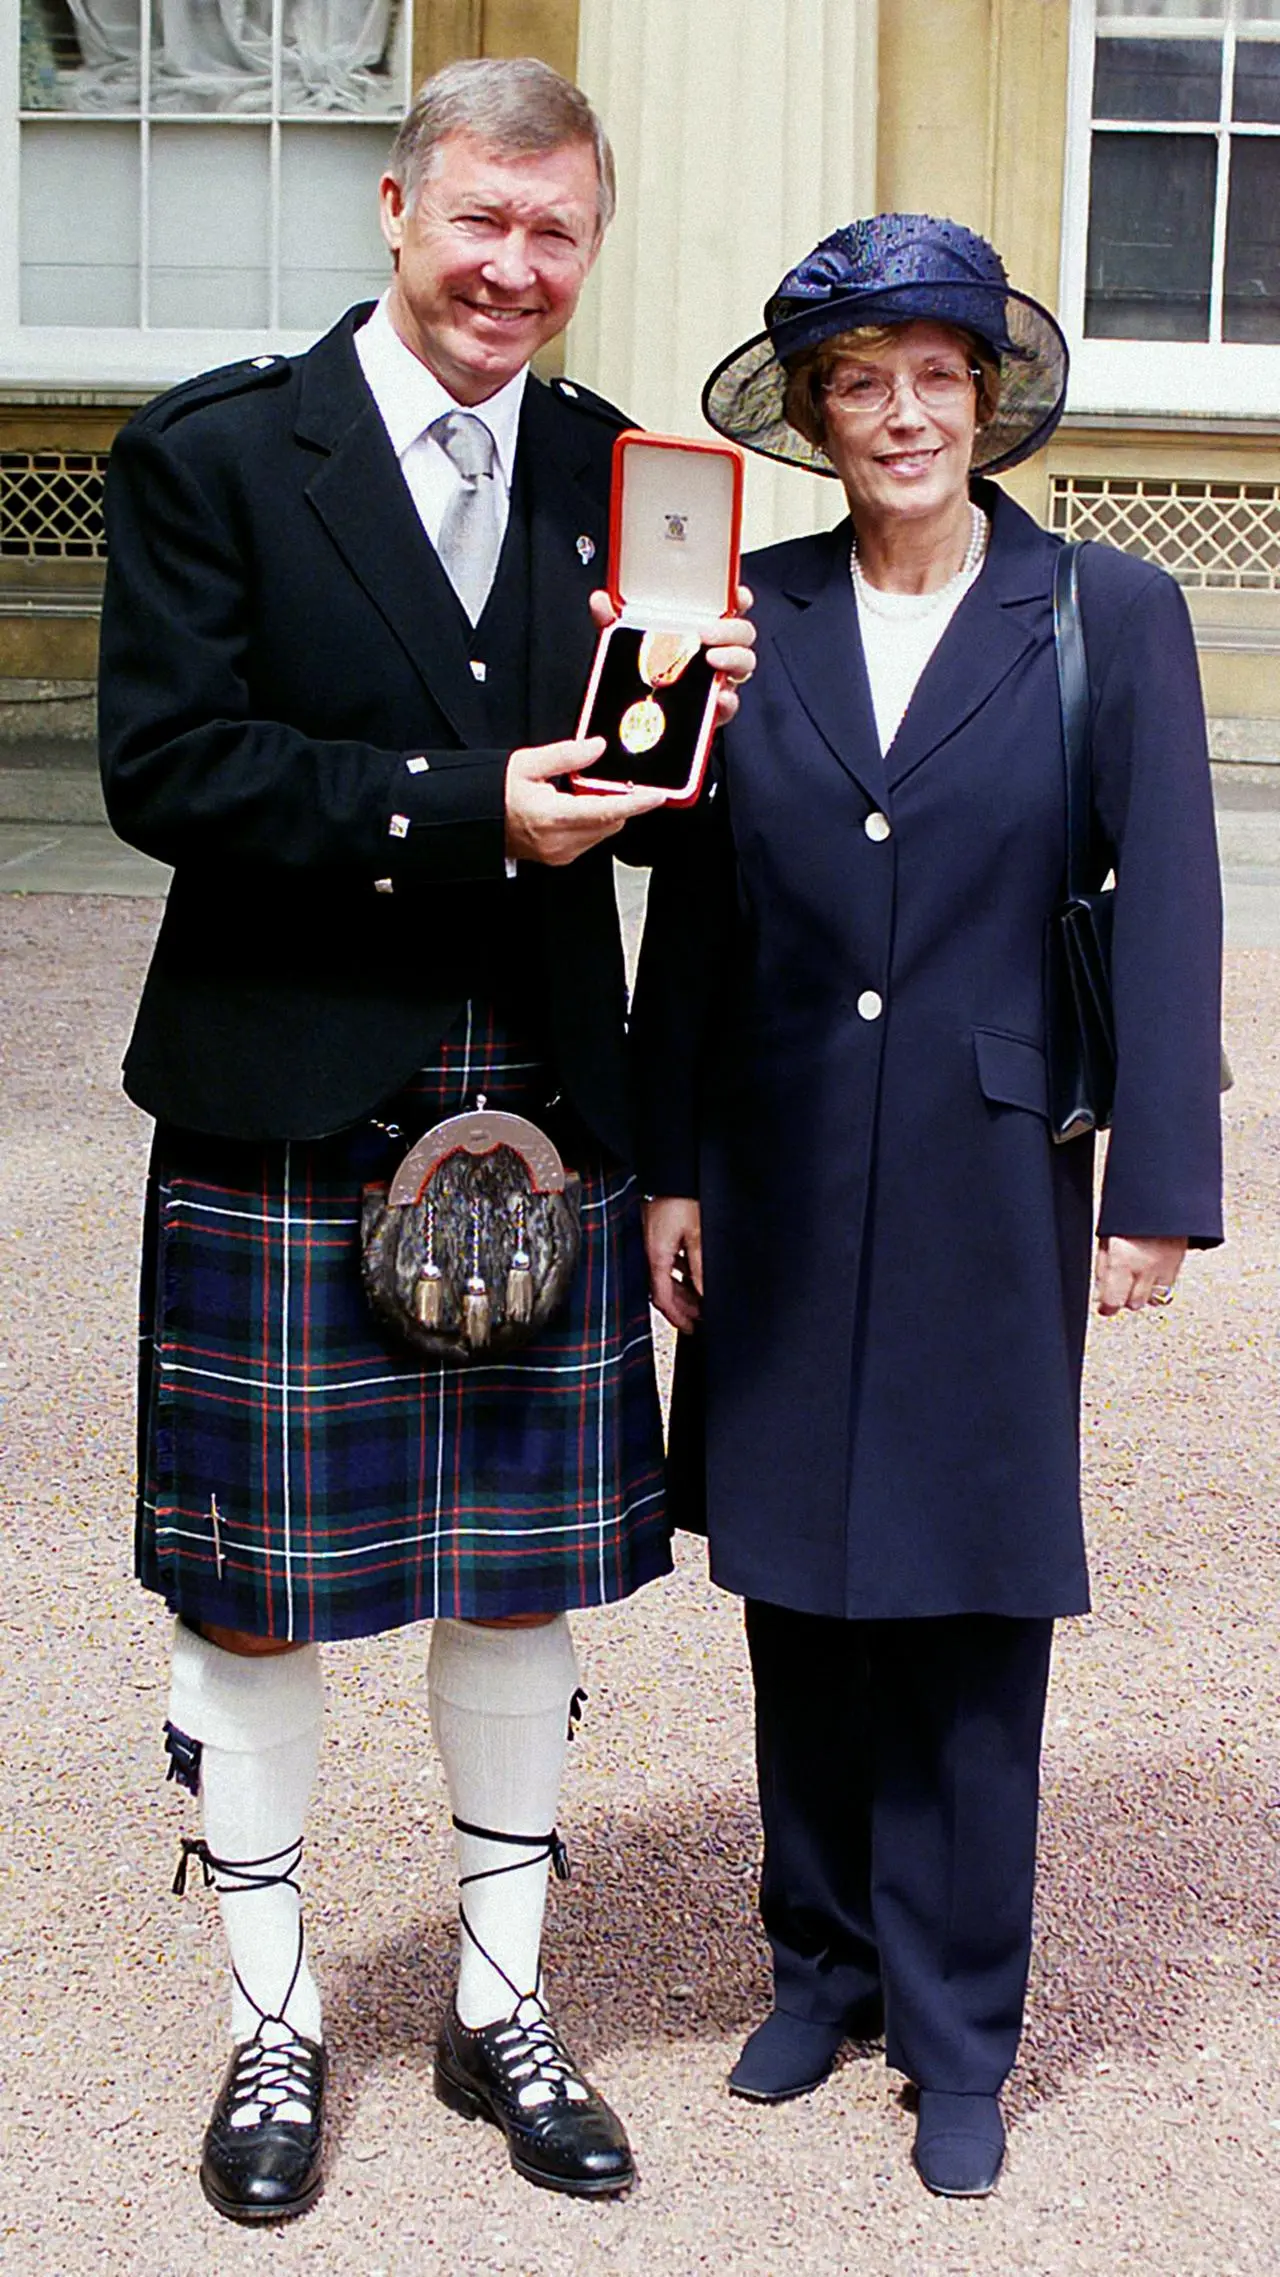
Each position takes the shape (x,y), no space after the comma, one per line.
(744,397)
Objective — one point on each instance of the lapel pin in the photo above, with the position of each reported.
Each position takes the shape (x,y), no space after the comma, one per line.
(586,550)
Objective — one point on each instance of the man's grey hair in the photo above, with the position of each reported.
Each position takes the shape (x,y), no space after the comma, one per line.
(517,105)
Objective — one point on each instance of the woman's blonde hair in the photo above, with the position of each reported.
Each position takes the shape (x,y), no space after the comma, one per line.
(808,375)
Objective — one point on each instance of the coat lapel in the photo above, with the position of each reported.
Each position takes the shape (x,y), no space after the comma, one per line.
(822,652)
(988,634)
(361,497)
(562,509)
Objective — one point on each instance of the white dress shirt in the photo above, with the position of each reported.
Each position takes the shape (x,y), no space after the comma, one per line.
(410,398)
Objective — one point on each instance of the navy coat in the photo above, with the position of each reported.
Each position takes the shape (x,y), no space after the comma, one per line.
(839,1036)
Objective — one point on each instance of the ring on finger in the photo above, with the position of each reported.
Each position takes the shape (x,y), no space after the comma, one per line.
(1160,1296)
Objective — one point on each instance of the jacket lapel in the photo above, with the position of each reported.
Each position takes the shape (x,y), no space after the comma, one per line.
(555,445)
(821,650)
(988,634)
(361,497)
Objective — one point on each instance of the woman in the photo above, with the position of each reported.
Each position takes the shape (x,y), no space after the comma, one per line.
(840,1037)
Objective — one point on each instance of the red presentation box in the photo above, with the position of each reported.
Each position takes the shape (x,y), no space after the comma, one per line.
(675,526)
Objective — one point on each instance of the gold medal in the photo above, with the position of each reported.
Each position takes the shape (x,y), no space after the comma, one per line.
(642,725)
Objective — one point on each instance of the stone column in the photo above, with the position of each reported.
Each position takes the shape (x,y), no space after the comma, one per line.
(744,131)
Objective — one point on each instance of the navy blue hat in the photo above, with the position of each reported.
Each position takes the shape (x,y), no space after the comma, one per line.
(896,268)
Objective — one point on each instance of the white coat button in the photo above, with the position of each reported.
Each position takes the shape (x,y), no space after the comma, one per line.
(479,670)
(878,827)
(870,1006)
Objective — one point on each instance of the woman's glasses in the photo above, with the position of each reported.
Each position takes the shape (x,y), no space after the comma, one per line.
(866,392)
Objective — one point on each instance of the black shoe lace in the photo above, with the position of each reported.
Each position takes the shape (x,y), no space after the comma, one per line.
(534,2058)
(279,2071)
(527,2045)
(270,2076)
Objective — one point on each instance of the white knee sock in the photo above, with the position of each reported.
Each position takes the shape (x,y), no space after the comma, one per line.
(500,1702)
(258,1721)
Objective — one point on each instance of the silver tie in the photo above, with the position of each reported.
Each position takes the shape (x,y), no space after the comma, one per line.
(471,532)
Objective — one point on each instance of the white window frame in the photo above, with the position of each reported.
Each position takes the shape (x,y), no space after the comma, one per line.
(1186,378)
(132,358)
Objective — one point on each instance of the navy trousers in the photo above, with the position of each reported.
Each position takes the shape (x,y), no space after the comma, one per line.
(899,1769)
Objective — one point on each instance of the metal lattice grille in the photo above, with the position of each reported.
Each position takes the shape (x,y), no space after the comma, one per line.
(51,505)
(1207,534)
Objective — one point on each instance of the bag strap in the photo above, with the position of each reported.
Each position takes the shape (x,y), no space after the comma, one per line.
(1073,696)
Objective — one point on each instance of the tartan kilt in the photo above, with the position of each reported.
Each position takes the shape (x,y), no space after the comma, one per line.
(302,1477)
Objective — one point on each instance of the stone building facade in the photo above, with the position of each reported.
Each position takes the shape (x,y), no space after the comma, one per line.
(193,181)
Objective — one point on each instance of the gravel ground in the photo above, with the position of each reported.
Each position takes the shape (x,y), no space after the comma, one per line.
(1146,2110)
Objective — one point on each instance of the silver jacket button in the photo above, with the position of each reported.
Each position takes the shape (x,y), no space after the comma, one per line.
(870,1006)
(878,827)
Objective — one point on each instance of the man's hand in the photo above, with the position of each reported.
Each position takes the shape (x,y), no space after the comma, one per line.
(1131,1274)
(673,1244)
(730,646)
(554,826)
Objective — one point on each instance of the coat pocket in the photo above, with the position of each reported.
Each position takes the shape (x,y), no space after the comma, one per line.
(1011,1071)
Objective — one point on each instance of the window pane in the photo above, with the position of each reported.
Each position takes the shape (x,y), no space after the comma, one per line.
(1172,11)
(331,249)
(344,55)
(80,55)
(210,190)
(78,224)
(210,58)
(1251,302)
(1157,79)
(1257,87)
(1150,237)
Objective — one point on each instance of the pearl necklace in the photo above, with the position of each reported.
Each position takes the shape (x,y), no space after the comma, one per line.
(895,605)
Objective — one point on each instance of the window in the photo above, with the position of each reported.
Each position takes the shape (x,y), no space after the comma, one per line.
(193,177)
(1173,220)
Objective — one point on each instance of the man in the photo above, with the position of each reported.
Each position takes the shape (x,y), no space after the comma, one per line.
(346,631)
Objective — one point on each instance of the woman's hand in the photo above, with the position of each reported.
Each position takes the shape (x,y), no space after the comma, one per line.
(1131,1274)
(673,1242)
(730,647)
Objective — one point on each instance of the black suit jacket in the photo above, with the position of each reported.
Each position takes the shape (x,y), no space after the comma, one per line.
(280,645)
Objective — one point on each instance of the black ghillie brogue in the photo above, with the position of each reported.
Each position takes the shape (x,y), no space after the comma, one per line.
(517,2073)
(259,2166)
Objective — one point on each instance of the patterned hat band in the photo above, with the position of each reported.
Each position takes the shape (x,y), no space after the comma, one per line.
(889,270)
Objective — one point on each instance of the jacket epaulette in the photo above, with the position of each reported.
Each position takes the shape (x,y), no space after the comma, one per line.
(582,398)
(213,387)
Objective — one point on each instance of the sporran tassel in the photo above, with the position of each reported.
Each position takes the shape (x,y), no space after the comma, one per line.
(475,1314)
(475,1303)
(428,1293)
(519,1276)
(428,1297)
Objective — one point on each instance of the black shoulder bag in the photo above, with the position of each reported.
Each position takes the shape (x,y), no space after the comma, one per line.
(1080,1028)
(1080,1025)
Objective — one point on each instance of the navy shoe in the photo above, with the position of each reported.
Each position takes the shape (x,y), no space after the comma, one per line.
(789,2055)
(959,2147)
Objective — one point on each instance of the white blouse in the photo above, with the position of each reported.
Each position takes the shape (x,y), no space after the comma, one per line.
(898,640)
